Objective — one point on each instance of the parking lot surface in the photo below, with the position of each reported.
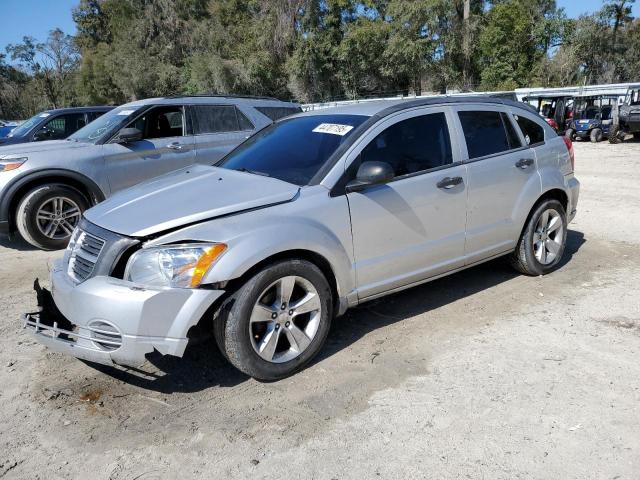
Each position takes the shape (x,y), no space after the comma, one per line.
(482,374)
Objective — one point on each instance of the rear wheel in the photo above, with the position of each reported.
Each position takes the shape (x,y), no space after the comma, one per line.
(542,243)
(276,322)
(596,135)
(47,215)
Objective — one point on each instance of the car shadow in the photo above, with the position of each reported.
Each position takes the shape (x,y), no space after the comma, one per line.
(16,242)
(203,366)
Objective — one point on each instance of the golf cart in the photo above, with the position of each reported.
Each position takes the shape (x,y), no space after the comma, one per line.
(555,109)
(592,117)
(628,118)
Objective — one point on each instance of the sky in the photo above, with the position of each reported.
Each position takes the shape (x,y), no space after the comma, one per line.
(19,18)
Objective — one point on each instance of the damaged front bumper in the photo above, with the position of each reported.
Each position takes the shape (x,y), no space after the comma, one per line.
(107,320)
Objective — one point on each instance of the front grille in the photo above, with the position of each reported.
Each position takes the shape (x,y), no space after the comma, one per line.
(84,252)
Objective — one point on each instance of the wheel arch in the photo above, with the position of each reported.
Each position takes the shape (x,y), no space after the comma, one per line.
(315,258)
(21,185)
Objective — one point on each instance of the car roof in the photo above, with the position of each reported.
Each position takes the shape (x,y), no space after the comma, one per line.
(103,108)
(217,99)
(382,108)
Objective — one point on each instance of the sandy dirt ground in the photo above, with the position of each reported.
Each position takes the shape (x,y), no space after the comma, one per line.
(485,374)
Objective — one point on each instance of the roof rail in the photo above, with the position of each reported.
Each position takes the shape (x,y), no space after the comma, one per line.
(219,95)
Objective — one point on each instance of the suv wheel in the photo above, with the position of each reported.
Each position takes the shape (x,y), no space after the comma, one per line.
(277,321)
(596,135)
(47,215)
(543,240)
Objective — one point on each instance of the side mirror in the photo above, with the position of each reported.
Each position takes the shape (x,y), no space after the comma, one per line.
(128,135)
(370,173)
(43,134)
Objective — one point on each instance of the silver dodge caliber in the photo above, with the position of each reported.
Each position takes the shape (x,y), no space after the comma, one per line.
(314,214)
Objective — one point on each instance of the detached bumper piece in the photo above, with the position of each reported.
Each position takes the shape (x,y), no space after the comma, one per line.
(93,343)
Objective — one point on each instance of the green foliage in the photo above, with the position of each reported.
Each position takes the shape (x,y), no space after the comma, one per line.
(315,50)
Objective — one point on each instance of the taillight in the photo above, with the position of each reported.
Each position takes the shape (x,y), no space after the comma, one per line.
(569,144)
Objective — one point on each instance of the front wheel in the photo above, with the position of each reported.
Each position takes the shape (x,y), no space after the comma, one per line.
(570,134)
(596,135)
(276,322)
(542,243)
(47,215)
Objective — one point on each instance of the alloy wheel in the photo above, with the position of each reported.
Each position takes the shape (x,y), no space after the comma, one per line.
(548,237)
(57,217)
(285,319)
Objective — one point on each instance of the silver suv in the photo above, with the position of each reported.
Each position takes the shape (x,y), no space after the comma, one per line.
(315,214)
(46,186)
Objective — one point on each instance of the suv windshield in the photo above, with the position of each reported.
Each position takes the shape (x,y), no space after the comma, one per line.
(24,127)
(293,150)
(105,125)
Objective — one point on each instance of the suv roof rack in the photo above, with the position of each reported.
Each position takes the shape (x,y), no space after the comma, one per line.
(219,95)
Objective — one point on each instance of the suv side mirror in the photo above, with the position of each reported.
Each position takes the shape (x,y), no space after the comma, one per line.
(128,135)
(370,173)
(43,134)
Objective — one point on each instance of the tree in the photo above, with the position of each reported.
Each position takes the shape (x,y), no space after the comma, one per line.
(52,64)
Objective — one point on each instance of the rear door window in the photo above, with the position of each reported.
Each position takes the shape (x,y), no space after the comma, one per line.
(532,132)
(64,125)
(219,119)
(414,145)
(512,136)
(484,132)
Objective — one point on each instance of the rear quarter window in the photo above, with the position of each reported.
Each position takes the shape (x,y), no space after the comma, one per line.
(276,113)
(532,132)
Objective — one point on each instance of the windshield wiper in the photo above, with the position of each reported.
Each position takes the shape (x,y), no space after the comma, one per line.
(255,172)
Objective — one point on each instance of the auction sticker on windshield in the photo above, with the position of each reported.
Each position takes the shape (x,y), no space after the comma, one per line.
(126,112)
(333,128)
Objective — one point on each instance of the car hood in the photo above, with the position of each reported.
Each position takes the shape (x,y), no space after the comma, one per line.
(35,147)
(186,196)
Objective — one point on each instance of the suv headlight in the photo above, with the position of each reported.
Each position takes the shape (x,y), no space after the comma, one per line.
(7,164)
(178,266)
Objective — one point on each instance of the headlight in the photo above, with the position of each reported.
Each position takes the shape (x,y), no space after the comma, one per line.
(181,266)
(7,164)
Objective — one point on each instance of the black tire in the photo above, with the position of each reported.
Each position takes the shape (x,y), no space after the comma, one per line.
(614,135)
(570,134)
(231,322)
(28,225)
(596,135)
(523,258)
(636,136)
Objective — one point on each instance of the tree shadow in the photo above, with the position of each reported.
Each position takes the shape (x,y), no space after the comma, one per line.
(203,366)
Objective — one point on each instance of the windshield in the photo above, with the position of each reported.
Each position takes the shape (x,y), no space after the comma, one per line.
(24,127)
(105,125)
(293,150)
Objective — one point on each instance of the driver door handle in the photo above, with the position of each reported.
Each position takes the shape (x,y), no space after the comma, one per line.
(524,163)
(449,182)
(175,146)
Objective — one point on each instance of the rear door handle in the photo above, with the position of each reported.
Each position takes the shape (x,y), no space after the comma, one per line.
(449,182)
(175,146)
(524,163)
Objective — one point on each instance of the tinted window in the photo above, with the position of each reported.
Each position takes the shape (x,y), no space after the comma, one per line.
(93,115)
(293,150)
(276,113)
(219,118)
(484,133)
(61,127)
(160,122)
(512,136)
(532,132)
(412,145)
